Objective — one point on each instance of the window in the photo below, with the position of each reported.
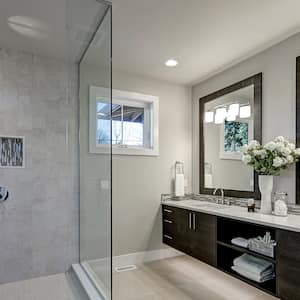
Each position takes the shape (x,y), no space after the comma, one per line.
(130,123)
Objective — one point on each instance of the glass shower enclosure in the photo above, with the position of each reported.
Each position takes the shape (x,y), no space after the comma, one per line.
(92,20)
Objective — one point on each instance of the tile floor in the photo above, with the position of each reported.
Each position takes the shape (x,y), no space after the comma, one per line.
(181,278)
(56,287)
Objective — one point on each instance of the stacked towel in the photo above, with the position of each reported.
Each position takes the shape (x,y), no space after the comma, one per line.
(239,241)
(254,268)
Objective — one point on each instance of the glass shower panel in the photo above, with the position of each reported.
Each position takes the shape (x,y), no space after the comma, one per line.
(95,156)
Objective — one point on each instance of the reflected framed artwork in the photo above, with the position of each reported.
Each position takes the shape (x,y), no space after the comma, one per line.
(233,136)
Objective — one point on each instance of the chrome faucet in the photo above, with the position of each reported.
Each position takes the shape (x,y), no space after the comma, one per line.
(222,195)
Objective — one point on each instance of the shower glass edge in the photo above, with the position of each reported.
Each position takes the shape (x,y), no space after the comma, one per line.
(90,35)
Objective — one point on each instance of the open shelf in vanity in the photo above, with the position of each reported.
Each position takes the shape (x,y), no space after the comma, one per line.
(227,229)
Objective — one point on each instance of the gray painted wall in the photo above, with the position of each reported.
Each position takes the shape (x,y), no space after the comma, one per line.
(278,65)
(139,181)
(39,223)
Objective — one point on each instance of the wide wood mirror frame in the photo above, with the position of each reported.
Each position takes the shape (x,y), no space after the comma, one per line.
(226,161)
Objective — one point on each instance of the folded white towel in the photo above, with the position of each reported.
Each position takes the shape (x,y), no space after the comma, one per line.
(253,264)
(239,241)
(253,276)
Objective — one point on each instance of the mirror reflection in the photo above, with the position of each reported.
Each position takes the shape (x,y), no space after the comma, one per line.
(228,125)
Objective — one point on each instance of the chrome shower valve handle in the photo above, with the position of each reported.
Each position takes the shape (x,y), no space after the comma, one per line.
(3,194)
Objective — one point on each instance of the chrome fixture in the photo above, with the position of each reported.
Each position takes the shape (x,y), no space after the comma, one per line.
(222,195)
(3,194)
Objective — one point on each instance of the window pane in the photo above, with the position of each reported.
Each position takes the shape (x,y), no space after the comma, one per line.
(116,124)
(103,123)
(127,129)
(133,126)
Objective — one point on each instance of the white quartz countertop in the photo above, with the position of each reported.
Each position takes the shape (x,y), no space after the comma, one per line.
(291,222)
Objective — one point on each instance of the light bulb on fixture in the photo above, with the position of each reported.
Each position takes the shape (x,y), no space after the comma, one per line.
(219,119)
(231,117)
(209,116)
(222,112)
(245,111)
(234,109)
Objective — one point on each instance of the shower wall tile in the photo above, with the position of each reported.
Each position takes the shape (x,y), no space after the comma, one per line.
(39,223)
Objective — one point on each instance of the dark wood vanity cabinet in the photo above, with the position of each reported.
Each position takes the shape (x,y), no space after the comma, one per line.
(288,265)
(208,238)
(191,232)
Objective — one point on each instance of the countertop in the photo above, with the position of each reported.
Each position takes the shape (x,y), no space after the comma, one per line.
(291,222)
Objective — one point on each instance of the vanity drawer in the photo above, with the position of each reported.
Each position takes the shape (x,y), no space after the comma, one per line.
(171,213)
(169,227)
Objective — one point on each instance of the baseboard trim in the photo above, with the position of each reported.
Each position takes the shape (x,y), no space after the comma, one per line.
(143,257)
(136,258)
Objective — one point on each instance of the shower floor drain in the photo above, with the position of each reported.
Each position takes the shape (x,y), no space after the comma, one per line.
(125,268)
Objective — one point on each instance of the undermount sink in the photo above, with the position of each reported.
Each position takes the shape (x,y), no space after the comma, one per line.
(209,205)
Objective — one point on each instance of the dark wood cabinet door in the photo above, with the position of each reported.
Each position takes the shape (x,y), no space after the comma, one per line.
(203,238)
(190,232)
(288,265)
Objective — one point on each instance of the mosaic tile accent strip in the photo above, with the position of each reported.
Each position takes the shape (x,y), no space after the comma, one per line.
(12,152)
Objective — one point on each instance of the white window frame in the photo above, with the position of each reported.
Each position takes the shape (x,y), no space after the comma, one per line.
(130,99)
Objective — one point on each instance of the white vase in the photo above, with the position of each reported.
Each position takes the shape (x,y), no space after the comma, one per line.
(265,187)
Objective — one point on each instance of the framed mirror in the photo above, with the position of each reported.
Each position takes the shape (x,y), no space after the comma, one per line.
(229,119)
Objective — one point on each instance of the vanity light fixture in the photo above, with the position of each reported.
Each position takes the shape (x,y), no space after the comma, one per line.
(209,117)
(222,112)
(245,111)
(219,119)
(171,63)
(231,117)
(234,109)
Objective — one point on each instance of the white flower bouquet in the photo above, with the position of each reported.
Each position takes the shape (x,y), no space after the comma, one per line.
(271,158)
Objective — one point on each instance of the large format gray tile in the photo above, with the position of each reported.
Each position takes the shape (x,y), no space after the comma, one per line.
(39,222)
(55,287)
(181,278)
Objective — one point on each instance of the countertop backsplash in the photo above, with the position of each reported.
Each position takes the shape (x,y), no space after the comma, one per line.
(242,202)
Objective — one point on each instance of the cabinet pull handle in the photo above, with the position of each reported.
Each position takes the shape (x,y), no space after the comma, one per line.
(190,221)
(168,237)
(168,210)
(194,221)
(168,221)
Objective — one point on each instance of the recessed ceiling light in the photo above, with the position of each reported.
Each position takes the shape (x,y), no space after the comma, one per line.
(171,63)
(27,26)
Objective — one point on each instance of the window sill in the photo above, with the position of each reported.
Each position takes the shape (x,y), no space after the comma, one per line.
(135,151)
(126,151)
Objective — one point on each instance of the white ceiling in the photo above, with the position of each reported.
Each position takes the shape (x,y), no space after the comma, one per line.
(55,28)
(205,36)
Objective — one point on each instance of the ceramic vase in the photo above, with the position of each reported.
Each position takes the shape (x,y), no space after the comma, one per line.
(266,186)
